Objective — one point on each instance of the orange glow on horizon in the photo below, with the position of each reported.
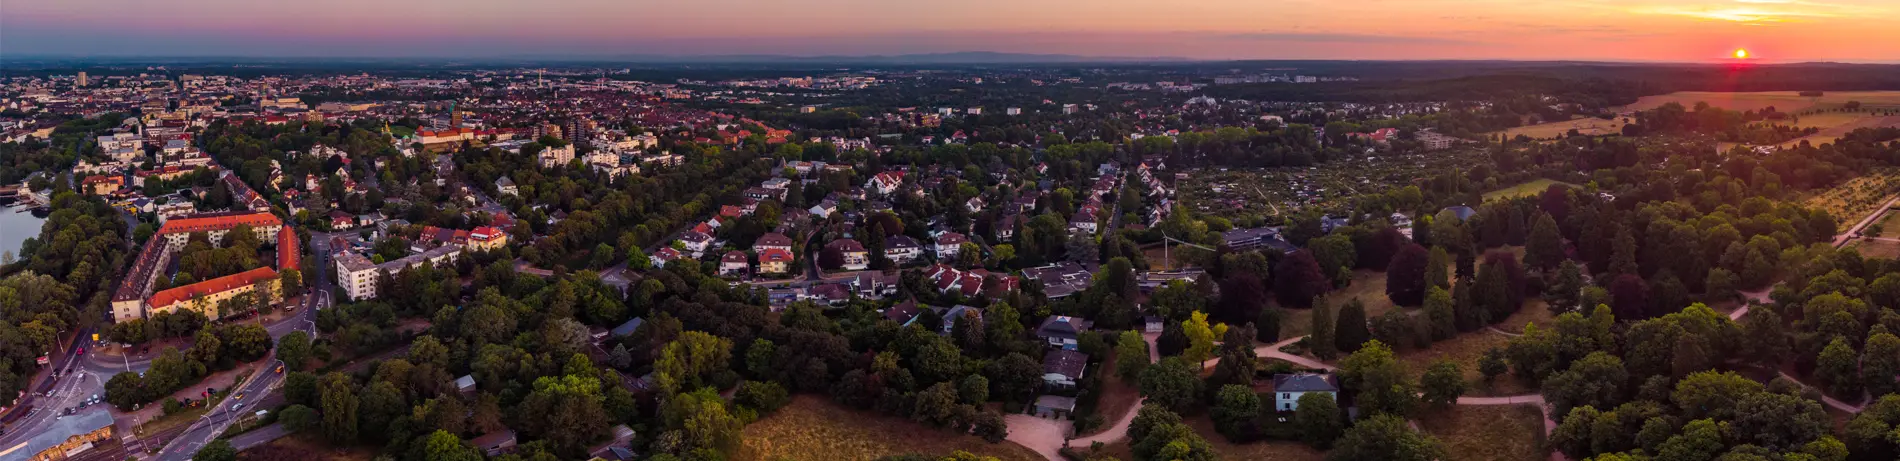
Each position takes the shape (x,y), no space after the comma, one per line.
(1741,53)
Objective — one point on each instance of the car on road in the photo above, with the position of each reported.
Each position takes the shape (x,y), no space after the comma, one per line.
(236,407)
(239,396)
(81,351)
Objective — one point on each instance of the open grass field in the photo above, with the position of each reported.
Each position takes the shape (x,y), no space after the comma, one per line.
(1367,286)
(1465,350)
(1886,249)
(1590,126)
(1533,187)
(1535,311)
(1855,199)
(1488,433)
(813,428)
(1271,450)
(1785,101)
(1118,397)
(1888,225)
(1834,133)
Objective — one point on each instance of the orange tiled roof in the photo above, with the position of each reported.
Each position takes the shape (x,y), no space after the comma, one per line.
(289,251)
(217,221)
(172,296)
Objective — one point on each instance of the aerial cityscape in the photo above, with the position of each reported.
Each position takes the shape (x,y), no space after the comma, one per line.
(1613,230)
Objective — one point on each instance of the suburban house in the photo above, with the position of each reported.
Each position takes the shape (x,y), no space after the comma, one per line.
(903,313)
(902,249)
(1061,279)
(665,255)
(340,220)
(496,443)
(506,186)
(775,261)
(1062,330)
(885,183)
(696,241)
(771,241)
(1287,388)
(1061,368)
(734,263)
(959,310)
(949,244)
(855,258)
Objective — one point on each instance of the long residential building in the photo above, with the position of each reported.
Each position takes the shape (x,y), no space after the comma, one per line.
(134,297)
(357,274)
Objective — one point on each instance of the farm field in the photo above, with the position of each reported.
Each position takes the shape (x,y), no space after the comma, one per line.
(1527,188)
(1492,433)
(1786,101)
(1854,199)
(1590,126)
(1834,133)
(816,428)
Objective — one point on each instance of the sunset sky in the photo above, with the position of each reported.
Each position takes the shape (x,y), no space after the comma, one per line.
(1628,30)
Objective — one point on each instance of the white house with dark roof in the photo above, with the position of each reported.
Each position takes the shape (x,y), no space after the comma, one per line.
(1287,388)
(902,249)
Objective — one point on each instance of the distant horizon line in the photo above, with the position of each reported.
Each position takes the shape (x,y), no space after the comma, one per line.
(956,57)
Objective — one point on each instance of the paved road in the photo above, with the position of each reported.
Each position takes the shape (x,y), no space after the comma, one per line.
(259,436)
(265,380)
(67,391)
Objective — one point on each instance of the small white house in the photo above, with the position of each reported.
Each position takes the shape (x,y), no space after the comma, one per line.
(1287,388)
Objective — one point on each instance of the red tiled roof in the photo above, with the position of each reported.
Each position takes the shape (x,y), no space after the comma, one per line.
(775,255)
(172,296)
(205,222)
(289,251)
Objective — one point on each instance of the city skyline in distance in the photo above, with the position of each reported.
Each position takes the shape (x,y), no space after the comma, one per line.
(1060,30)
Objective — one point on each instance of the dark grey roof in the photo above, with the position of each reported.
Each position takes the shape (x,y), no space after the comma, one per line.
(903,312)
(1304,382)
(1065,362)
(1461,211)
(627,328)
(1063,326)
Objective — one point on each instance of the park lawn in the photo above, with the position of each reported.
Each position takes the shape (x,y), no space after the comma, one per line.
(1535,310)
(1532,187)
(1488,432)
(1465,350)
(1118,397)
(305,448)
(1590,126)
(1367,286)
(816,428)
(1269,450)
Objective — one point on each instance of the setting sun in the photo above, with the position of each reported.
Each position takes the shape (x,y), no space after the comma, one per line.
(1741,54)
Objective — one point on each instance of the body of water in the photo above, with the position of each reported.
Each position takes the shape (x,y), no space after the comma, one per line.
(16,225)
